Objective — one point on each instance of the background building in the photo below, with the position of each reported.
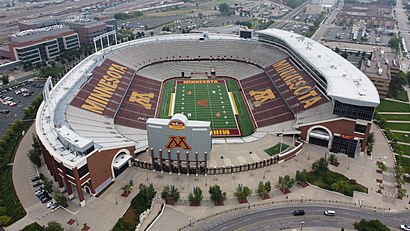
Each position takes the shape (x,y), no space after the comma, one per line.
(38,45)
(372,15)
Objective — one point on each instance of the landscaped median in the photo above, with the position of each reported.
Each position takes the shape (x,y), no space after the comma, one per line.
(11,209)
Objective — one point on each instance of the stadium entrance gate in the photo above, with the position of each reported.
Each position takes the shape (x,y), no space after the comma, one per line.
(319,136)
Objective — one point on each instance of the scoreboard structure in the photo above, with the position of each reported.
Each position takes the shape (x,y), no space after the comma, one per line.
(179,145)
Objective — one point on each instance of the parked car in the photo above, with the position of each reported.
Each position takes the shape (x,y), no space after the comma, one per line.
(299,212)
(49,204)
(405,227)
(54,206)
(35,178)
(45,199)
(43,194)
(39,190)
(38,183)
(330,212)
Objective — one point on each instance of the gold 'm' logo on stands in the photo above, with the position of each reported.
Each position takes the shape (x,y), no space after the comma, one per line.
(262,96)
(142,99)
(178,142)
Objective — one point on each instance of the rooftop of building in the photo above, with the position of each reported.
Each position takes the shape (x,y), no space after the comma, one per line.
(345,82)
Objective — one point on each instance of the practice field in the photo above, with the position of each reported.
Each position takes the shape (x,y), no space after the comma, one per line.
(207,100)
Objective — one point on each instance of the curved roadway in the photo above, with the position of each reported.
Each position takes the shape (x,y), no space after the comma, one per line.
(274,218)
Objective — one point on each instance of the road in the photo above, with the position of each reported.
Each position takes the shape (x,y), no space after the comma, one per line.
(282,22)
(403,27)
(328,22)
(279,218)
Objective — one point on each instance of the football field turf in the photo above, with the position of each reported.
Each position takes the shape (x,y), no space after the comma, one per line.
(205,101)
(216,100)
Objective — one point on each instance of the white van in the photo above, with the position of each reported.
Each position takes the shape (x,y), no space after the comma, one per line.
(330,212)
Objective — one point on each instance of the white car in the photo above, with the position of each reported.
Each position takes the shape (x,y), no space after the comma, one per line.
(405,227)
(330,212)
(49,204)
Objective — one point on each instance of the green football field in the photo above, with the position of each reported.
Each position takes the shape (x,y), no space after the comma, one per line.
(211,100)
(205,102)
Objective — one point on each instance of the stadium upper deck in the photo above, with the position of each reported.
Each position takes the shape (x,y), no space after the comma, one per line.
(344,82)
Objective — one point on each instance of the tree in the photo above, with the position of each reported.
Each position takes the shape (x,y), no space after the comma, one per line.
(242,193)
(285,182)
(301,176)
(217,196)
(224,9)
(343,187)
(4,220)
(151,33)
(333,159)
(320,167)
(401,193)
(48,184)
(5,79)
(127,188)
(60,199)
(196,197)
(370,143)
(395,43)
(170,192)
(372,225)
(264,189)
(345,54)
(34,157)
(53,226)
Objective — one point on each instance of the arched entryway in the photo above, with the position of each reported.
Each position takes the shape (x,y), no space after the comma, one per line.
(120,162)
(320,136)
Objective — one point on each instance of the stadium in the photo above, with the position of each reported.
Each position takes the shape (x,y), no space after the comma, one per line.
(161,102)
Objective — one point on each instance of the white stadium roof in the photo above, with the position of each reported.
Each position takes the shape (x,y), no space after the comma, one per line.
(345,82)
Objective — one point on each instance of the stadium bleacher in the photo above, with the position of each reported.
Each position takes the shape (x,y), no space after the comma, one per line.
(103,93)
(189,49)
(299,90)
(164,70)
(139,102)
(267,108)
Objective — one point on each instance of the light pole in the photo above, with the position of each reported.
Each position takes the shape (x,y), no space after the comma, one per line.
(301,225)
(264,172)
(76,220)
(146,174)
(190,222)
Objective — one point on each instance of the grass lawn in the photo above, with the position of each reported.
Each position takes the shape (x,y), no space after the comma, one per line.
(405,148)
(402,137)
(404,162)
(396,117)
(276,149)
(391,106)
(399,126)
(331,177)
(403,96)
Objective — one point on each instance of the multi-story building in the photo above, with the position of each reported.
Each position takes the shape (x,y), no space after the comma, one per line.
(372,15)
(37,45)
(87,27)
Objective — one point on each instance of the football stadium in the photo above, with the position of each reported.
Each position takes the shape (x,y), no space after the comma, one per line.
(160,103)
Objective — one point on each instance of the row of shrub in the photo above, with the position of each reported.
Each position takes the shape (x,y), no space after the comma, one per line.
(10,206)
(140,203)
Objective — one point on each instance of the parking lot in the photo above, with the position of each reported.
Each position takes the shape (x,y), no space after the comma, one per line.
(12,104)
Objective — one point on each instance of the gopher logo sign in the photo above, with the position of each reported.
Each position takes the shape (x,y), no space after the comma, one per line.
(177,142)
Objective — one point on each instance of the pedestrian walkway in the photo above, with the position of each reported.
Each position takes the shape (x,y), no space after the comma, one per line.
(396,100)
